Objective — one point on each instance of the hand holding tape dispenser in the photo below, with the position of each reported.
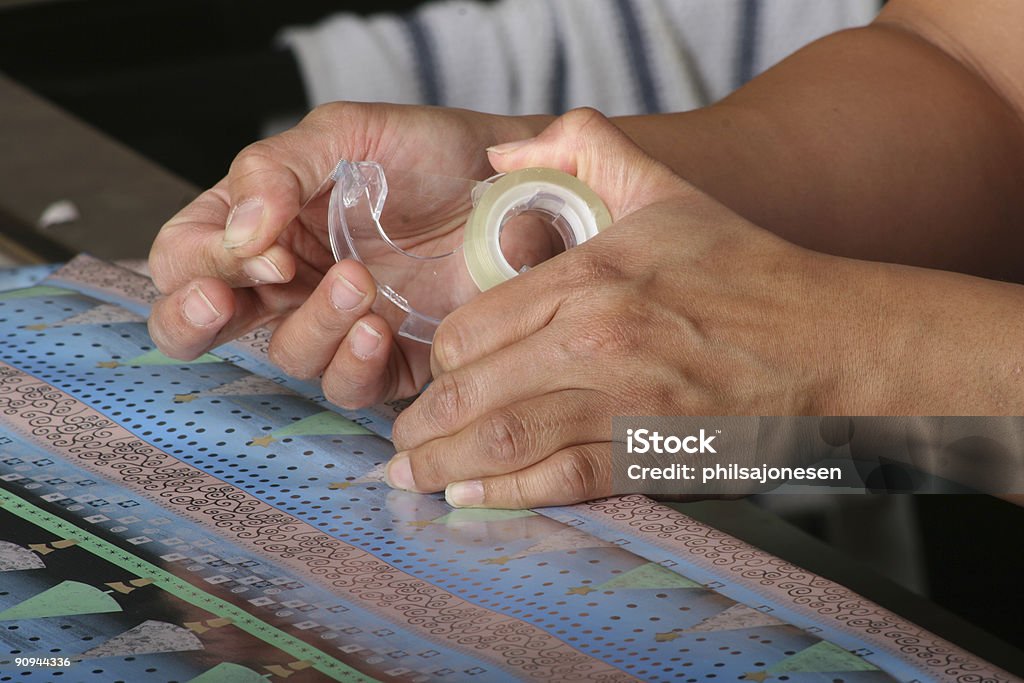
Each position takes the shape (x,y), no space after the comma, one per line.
(433,242)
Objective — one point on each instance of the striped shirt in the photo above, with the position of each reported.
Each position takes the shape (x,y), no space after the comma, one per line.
(548,56)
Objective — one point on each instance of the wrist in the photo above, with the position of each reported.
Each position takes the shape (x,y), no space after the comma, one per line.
(863,338)
(928,342)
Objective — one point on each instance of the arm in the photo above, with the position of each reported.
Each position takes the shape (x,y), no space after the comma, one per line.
(902,141)
(685,308)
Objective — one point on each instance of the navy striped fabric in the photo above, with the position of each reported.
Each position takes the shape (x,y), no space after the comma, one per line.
(748,33)
(426,64)
(636,47)
(559,96)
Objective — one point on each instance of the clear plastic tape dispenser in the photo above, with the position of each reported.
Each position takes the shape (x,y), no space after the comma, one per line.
(433,242)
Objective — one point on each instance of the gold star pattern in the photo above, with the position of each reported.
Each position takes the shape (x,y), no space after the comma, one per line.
(37,327)
(758,676)
(262,441)
(185,398)
(498,560)
(292,667)
(46,548)
(204,626)
(665,637)
(339,485)
(580,590)
(122,587)
(110,364)
(422,524)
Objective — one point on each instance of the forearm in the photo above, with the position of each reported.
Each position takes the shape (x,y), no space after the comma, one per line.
(872,144)
(938,343)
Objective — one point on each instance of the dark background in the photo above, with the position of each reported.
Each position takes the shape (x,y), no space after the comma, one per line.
(189,83)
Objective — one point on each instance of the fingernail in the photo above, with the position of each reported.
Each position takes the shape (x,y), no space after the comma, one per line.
(398,473)
(506,147)
(465,493)
(262,270)
(243,223)
(345,295)
(198,309)
(365,341)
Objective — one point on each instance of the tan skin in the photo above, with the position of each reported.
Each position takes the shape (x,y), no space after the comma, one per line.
(901,142)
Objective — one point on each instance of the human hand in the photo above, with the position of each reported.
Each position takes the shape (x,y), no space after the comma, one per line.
(250,252)
(680,308)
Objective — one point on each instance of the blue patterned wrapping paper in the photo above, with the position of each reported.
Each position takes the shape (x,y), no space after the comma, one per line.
(214,520)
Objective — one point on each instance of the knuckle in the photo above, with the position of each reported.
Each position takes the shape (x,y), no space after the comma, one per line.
(253,157)
(587,344)
(258,164)
(602,337)
(577,475)
(505,437)
(448,401)
(590,266)
(576,120)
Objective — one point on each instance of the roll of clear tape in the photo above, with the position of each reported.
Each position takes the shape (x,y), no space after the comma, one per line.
(408,229)
(574,210)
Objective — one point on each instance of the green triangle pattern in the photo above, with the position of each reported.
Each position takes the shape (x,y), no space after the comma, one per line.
(100,315)
(735,618)
(650,575)
(322,424)
(64,599)
(468,515)
(154,357)
(822,657)
(13,557)
(31,292)
(149,637)
(226,672)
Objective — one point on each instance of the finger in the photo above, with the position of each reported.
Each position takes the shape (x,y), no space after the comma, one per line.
(308,339)
(587,145)
(207,312)
(570,476)
(184,324)
(190,245)
(367,368)
(505,440)
(581,143)
(454,400)
(496,319)
(269,182)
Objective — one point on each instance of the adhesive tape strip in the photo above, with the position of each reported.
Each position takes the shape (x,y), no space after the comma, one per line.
(574,208)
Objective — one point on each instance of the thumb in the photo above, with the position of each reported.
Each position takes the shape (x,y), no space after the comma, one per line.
(584,143)
(270,181)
